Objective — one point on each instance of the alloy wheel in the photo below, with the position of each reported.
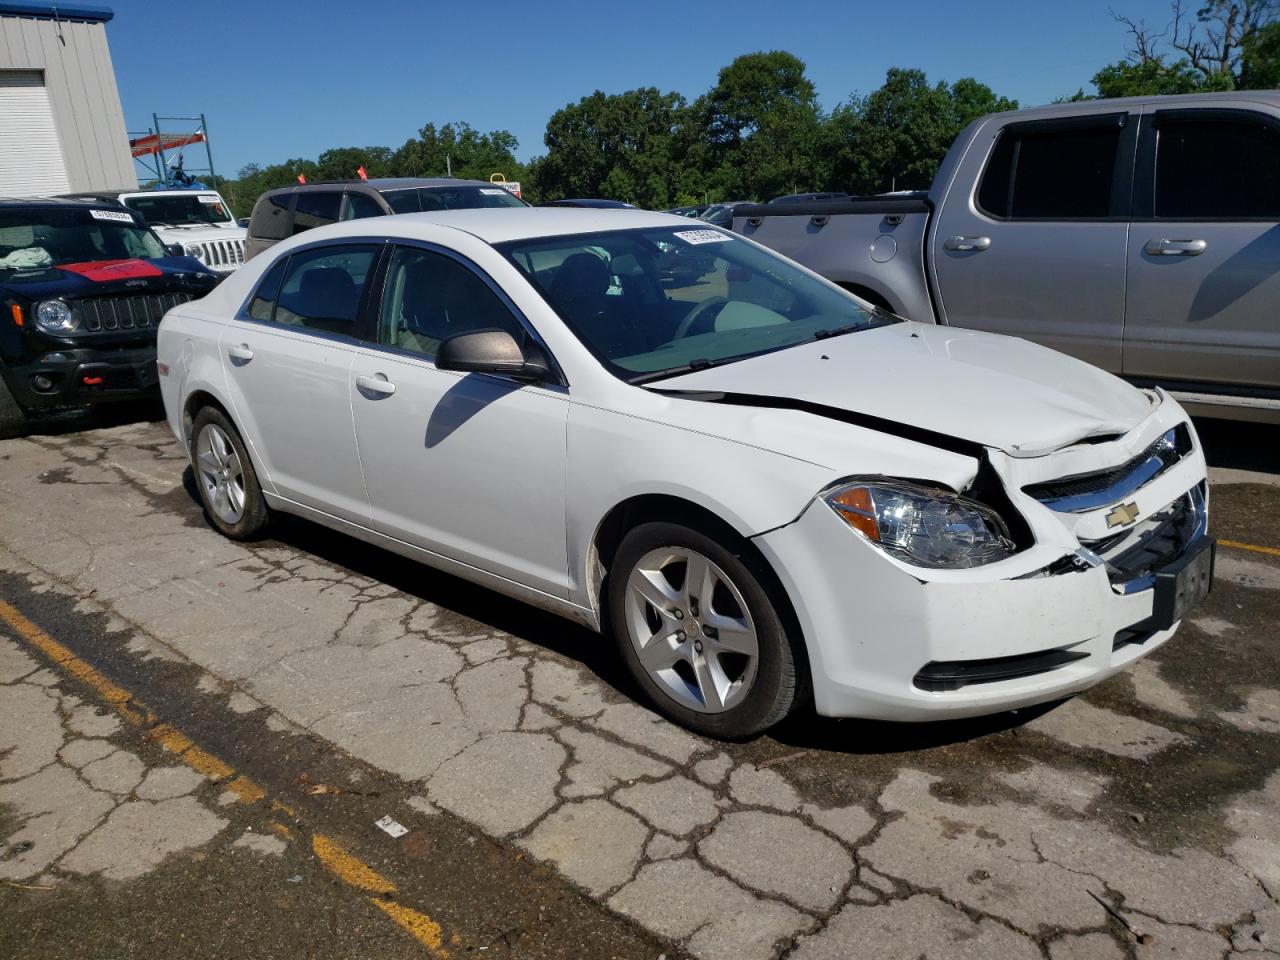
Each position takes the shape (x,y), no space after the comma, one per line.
(221,473)
(691,629)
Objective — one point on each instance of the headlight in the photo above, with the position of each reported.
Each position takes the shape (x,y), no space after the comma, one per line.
(193,250)
(54,316)
(925,526)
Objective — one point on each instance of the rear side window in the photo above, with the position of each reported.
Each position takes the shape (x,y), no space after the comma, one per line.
(264,299)
(1220,170)
(359,206)
(1039,173)
(271,217)
(316,209)
(321,288)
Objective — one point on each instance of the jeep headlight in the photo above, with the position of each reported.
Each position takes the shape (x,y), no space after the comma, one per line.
(54,316)
(194,250)
(924,526)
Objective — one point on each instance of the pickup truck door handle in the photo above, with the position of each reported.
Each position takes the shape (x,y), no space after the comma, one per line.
(1175,248)
(241,353)
(967,243)
(376,387)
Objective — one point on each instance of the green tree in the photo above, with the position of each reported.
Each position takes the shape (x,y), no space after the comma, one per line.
(1222,45)
(895,137)
(761,127)
(618,146)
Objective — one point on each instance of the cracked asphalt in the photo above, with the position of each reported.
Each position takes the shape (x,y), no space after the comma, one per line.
(547,813)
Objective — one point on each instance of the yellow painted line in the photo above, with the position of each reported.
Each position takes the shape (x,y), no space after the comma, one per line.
(347,868)
(352,872)
(418,925)
(356,873)
(1252,547)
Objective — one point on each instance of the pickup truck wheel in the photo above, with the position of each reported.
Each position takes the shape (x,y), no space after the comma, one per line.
(225,477)
(13,422)
(699,632)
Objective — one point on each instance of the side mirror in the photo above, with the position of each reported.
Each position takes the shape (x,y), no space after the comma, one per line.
(493,351)
(175,250)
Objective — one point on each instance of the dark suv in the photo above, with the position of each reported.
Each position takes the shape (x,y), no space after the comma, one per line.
(281,213)
(83,286)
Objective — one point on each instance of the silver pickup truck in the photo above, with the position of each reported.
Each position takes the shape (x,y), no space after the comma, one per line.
(1141,235)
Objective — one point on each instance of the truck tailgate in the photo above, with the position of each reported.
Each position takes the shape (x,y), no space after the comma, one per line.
(872,245)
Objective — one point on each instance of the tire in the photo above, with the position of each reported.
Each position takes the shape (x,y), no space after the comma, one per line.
(225,478)
(748,694)
(13,422)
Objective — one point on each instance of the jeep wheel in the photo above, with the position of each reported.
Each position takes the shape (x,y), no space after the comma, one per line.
(13,422)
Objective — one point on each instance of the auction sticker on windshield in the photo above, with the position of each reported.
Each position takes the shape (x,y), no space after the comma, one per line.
(702,236)
(117,215)
(210,199)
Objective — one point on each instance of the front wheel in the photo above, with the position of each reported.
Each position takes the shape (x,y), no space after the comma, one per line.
(699,631)
(225,477)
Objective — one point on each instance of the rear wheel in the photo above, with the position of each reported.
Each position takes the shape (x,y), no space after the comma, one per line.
(13,422)
(225,477)
(699,631)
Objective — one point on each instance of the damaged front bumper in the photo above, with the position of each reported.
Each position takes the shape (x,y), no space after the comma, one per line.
(895,642)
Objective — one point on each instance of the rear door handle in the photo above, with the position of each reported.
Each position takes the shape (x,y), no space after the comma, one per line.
(967,243)
(241,353)
(376,386)
(1176,248)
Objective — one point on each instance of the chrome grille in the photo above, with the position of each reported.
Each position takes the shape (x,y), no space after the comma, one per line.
(224,255)
(127,312)
(1132,557)
(1090,491)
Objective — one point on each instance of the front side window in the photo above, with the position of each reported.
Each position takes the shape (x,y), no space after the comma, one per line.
(1218,170)
(656,302)
(321,288)
(315,209)
(429,297)
(1039,173)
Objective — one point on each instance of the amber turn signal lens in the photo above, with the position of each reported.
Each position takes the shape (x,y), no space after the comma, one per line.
(16,312)
(855,507)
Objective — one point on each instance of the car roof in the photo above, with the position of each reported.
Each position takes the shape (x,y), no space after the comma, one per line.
(1160,102)
(384,183)
(501,224)
(138,191)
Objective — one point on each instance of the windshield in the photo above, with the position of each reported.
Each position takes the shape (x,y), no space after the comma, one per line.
(656,302)
(47,237)
(429,199)
(177,209)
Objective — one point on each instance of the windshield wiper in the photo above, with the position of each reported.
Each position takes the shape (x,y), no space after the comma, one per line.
(693,366)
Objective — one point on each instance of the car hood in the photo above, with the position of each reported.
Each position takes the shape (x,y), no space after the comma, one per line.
(192,233)
(97,278)
(992,390)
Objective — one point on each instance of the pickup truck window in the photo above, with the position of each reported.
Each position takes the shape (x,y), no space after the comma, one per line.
(1037,172)
(1220,170)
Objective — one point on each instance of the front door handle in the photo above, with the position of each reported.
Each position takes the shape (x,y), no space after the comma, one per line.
(1176,248)
(967,243)
(376,386)
(241,353)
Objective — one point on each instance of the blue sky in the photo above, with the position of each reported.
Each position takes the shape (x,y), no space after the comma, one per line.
(283,78)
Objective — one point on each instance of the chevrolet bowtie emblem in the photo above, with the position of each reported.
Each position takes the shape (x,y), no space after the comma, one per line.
(1122,514)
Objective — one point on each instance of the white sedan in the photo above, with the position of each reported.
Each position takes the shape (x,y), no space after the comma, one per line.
(767,492)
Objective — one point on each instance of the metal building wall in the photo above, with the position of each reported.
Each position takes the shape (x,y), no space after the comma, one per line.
(82,88)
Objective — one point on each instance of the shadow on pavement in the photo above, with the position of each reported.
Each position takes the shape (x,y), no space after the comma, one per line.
(804,729)
(98,418)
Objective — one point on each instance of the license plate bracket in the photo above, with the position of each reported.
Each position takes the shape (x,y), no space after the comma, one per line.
(1183,584)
